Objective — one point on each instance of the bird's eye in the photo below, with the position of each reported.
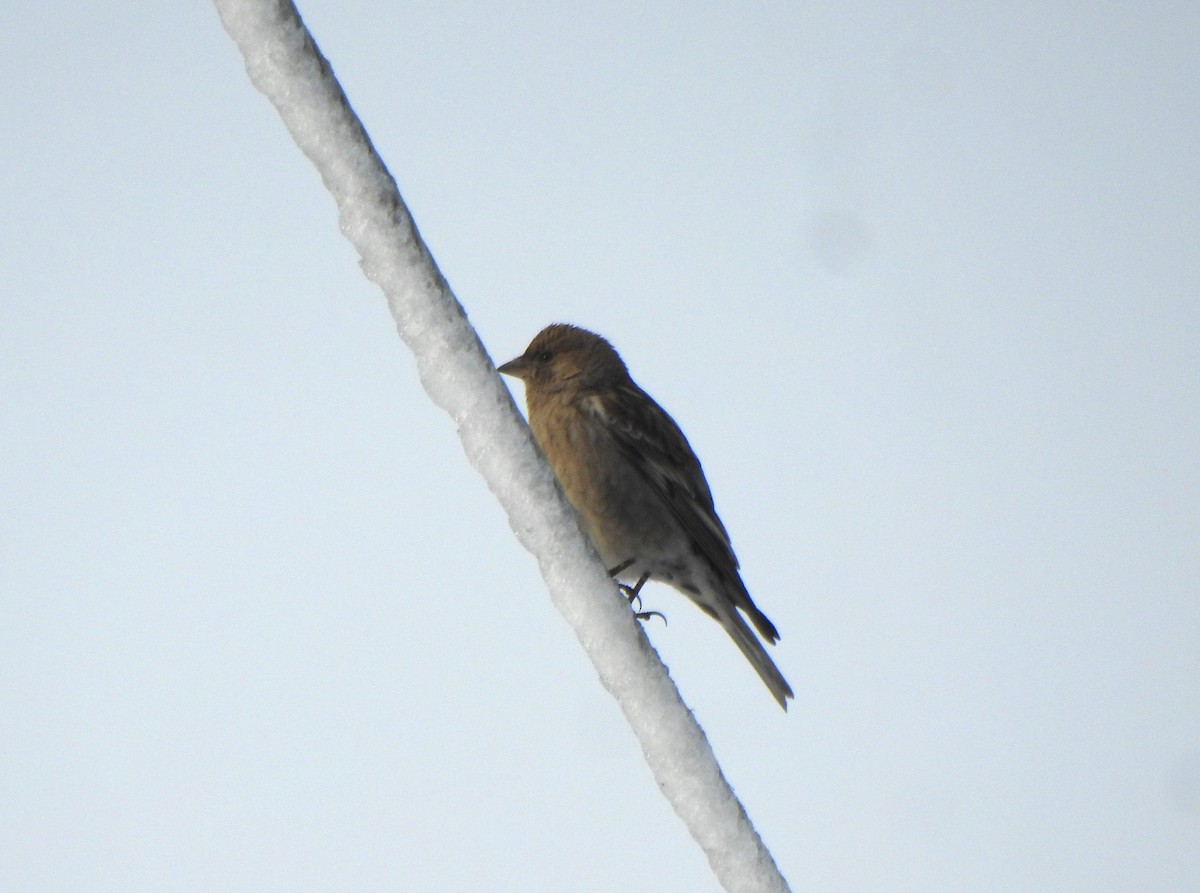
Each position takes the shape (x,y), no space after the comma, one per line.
(542,356)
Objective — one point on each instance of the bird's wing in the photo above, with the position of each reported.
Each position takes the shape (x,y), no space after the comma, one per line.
(652,443)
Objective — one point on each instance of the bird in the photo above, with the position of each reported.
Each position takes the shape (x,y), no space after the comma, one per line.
(636,485)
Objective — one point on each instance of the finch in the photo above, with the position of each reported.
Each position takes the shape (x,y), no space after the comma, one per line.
(637,486)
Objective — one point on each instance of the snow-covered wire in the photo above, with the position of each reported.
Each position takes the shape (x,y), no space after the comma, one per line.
(284,63)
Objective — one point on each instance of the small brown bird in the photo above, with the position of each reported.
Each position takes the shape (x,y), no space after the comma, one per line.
(636,484)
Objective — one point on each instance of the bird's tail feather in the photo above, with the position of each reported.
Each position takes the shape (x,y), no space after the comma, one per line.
(753,650)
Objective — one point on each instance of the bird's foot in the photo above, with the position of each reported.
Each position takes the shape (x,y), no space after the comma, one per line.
(632,593)
(646,615)
(623,566)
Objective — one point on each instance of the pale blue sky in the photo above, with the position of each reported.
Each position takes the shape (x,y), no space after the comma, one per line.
(920,283)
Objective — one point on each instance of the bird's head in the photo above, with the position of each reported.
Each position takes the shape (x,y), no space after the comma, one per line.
(563,356)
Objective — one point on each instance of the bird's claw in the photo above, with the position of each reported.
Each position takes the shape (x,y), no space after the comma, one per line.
(632,593)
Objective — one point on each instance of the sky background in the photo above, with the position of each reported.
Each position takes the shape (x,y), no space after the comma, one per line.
(920,281)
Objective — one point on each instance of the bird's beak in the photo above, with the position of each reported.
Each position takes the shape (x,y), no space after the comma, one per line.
(516,368)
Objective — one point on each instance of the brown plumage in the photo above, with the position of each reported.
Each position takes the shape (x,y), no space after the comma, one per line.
(638,487)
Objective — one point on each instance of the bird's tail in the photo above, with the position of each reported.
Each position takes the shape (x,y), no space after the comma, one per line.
(750,646)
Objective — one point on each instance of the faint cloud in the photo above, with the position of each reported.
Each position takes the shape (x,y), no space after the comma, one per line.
(927,802)
(1182,784)
(923,74)
(839,241)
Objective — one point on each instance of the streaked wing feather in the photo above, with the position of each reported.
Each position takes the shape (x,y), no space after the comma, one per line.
(656,447)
